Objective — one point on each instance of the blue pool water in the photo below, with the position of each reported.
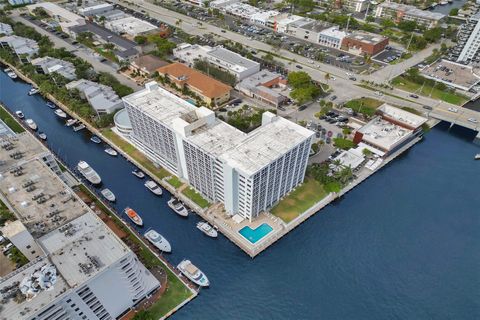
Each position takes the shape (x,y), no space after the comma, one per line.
(253,235)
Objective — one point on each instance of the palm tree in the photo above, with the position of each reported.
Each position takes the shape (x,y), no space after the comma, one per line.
(178,22)
(327,77)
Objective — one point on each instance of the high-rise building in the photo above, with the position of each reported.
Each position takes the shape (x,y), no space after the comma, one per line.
(248,173)
(468,41)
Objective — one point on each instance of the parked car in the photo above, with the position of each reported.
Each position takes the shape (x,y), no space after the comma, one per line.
(414,96)
(332,98)
(299,66)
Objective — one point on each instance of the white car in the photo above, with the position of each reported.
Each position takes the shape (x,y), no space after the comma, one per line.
(378,93)
(451,109)
(333,78)
(473,120)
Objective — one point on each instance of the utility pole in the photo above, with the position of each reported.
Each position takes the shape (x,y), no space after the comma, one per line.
(410,41)
(348,21)
(366,12)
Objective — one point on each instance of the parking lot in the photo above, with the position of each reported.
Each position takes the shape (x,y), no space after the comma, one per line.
(388,55)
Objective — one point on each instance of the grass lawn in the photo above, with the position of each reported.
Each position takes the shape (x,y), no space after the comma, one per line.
(195,197)
(302,198)
(444,95)
(10,121)
(175,182)
(135,154)
(344,144)
(366,106)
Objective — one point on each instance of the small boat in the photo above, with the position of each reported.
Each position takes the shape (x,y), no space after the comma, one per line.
(51,105)
(88,172)
(132,215)
(138,173)
(158,241)
(207,229)
(95,139)
(111,152)
(477,156)
(19,114)
(12,74)
(31,124)
(6,70)
(42,135)
(178,207)
(81,126)
(33,91)
(189,270)
(60,113)
(71,122)
(152,186)
(108,194)
(443,2)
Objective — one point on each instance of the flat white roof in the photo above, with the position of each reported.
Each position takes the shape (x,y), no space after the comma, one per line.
(130,25)
(349,158)
(403,116)
(384,134)
(334,32)
(56,10)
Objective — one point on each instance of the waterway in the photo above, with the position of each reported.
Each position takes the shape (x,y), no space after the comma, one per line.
(445,9)
(403,245)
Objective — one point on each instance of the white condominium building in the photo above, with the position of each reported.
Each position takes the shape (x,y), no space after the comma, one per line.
(248,173)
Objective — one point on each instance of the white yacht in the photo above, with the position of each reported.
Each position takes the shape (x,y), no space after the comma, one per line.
(12,74)
(42,135)
(207,229)
(477,156)
(189,270)
(33,91)
(81,126)
(88,172)
(178,207)
(154,187)
(158,241)
(19,114)
(31,124)
(111,152)
(60,113)
(138,173)
(71,122)
(108,194)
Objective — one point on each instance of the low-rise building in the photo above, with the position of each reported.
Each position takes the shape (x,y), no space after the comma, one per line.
(111,15)
(130,26)
(47,65)
(281,22)
(66,19)
(331,37)
(219,4)
(207,88)
(399,12)
(241,10)
(95,9)
(147,64)
(453,74)
(5,29)
(356,5)
(19,2)
(259,86)
(102,98)
(390,130)
(364,43)
(224,59)
(262,18)
(23,48)
(200,3)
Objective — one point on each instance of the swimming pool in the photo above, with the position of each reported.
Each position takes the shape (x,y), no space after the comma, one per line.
(254,235)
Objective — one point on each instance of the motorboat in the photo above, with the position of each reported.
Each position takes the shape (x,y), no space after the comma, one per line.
(477,156)
(7,70)
(158,241)
(12,74)
(91,175)
(51,105)
(206,228)
(81,126)
(154,187)
(19,114)
(178,207)
(31,124)
(108,194)
(42,135)
(111,152)
(71,122)
(33,91)
(132,215)
(95,139)
(138,173)
(61,113)
(189,270)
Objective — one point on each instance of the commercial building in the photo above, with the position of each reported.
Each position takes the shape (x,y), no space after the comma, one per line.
(78,268)
(390,130)
(130,26)
(219,4)
(331,37)
(400,12)
(200,3)
(207,88)
(95,9)
(356,5)
(241,10)
(125,50)
(259,86)
(19,2)
(47,65)
(102,98)
(263,18)
(224,59)
(66,19)
(23,48)
(281,22)
(468,41)
(5,29)
(453,74)
(248,173)
(364,43)
(147,64)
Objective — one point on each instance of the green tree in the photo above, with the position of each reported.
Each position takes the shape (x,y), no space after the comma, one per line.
(454,12)
(140,39)
(298,79)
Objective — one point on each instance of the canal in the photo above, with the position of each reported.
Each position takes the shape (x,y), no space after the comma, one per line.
(446,8)
(402,245)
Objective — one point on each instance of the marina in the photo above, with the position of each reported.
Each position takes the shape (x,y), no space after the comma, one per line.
(331,239)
